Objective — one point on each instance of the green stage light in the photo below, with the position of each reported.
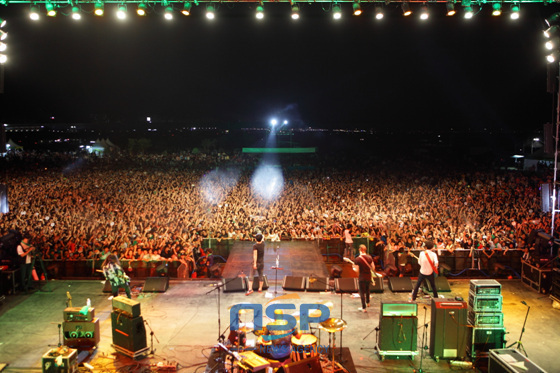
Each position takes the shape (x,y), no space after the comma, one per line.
(34,13)
(469,13)
(450,8)
(260,11)
(210,11)
(142,9)
(76,13)
(168,13)
(357,8)
(514,11)
(121,12)
(295,11)
(406,9)
(496,9)
(51,11)
(99,9)
(187,8)
(337,14)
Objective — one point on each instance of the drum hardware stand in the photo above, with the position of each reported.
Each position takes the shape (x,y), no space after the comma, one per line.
(276,268)
(376,330)
(518,344)
(152,336)
(424,338)
(59,335)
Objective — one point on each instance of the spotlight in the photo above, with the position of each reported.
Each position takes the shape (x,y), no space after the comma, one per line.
(514,11)
(260,11)
(553,57)
(3,46)
(142,9)
(496,9)
(337,14)
(406,9)
(168,13)
(3,59)
(121,12)
(76,13)
(34,13)
(51,11)
(2,22)
(424,14)
(378,12)
(99,9)
(357,8)
(469,13)
(295,11)
(187,8)
(552,43)
(3,35)
(273,122)
(552,30)
(450,8)
(210,11)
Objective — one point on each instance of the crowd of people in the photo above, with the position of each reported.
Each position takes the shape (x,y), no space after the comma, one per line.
(162,207)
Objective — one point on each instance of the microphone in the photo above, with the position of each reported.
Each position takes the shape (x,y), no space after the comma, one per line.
(523,302)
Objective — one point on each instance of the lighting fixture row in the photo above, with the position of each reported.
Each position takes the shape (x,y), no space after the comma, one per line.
(552,35)
(142,10)
(3,46)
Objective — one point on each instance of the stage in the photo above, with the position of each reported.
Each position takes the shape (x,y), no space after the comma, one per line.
(184,320)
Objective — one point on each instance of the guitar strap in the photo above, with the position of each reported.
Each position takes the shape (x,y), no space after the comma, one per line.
(431,263)
(373,273)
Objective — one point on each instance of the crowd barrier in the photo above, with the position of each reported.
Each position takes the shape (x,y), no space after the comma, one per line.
(460,263)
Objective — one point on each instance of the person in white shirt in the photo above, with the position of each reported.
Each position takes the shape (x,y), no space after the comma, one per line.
(428,261)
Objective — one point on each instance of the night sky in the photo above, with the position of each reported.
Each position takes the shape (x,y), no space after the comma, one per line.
(401,72)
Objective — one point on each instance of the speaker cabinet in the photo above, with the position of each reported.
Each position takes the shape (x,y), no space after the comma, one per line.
(294,283)
(156,285)
(317,284)
(130,334)
(309,365)
(234,284)
(81,334)
(378,287)
(400,284)
(346,285)
(398,334)
(442,285)
(483,339)
(448,330)
(256,283)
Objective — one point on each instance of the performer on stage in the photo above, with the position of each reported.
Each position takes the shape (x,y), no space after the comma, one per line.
(24,250)
(428,262)
(365,265)
(258,264)
(115,274)
(348,242)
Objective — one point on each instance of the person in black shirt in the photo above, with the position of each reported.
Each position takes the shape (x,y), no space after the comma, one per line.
(365,265)
(258,264)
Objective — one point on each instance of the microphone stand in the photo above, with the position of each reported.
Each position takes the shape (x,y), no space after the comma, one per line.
(218,287)
(152,335)
(424,337)
(518,342)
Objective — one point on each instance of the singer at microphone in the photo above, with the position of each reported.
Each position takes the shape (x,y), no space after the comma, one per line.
(257,264)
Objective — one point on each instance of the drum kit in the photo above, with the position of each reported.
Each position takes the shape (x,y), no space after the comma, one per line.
(304,347)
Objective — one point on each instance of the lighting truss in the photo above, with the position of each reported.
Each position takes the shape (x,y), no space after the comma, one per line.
(182,2)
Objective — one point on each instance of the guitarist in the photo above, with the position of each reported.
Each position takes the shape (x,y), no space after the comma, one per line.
(115,274)
(428,262)
(365,265)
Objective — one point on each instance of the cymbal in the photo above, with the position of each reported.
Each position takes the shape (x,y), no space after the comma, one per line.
(333,325)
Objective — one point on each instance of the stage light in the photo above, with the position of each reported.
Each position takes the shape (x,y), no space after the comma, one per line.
(357,8)
(210,12)
(295,11)
(187,8)
(121,12)
(379,12)
(337,14)
(3,59)
(273,122)
(406,9)
(496,9)
(553,57)
(99,9)
(450,8)
(51,11)
(514,11)
(260,11)
(552,43)
(2,22)
(3,46)
(469,13)
(142,9)
(168,13)
(34,13)
(3,35)
(424,14)
(76,13)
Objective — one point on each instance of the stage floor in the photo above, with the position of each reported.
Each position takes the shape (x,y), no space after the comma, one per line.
(185,322)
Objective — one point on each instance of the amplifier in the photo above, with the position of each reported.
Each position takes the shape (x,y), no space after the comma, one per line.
(484,339)
(493,319)
(81,334)
(128,307)
(485,287)
(79,314)
(485,303)
(60,360)
(390,309)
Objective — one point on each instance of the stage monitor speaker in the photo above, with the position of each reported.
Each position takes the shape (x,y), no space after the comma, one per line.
(234,284)
(294,283)
(400,284)
(511,361)
(4,207)
(449,329)
(309,365)
(346,285)
(442,285)
(317,284)
(156,285)
(336,271)
(128,333)
(256,283)
(81,334)
(398,334)
(378,287)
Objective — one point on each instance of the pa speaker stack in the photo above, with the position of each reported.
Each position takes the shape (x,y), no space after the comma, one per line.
(129,333)
(80,328)
(486,318)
